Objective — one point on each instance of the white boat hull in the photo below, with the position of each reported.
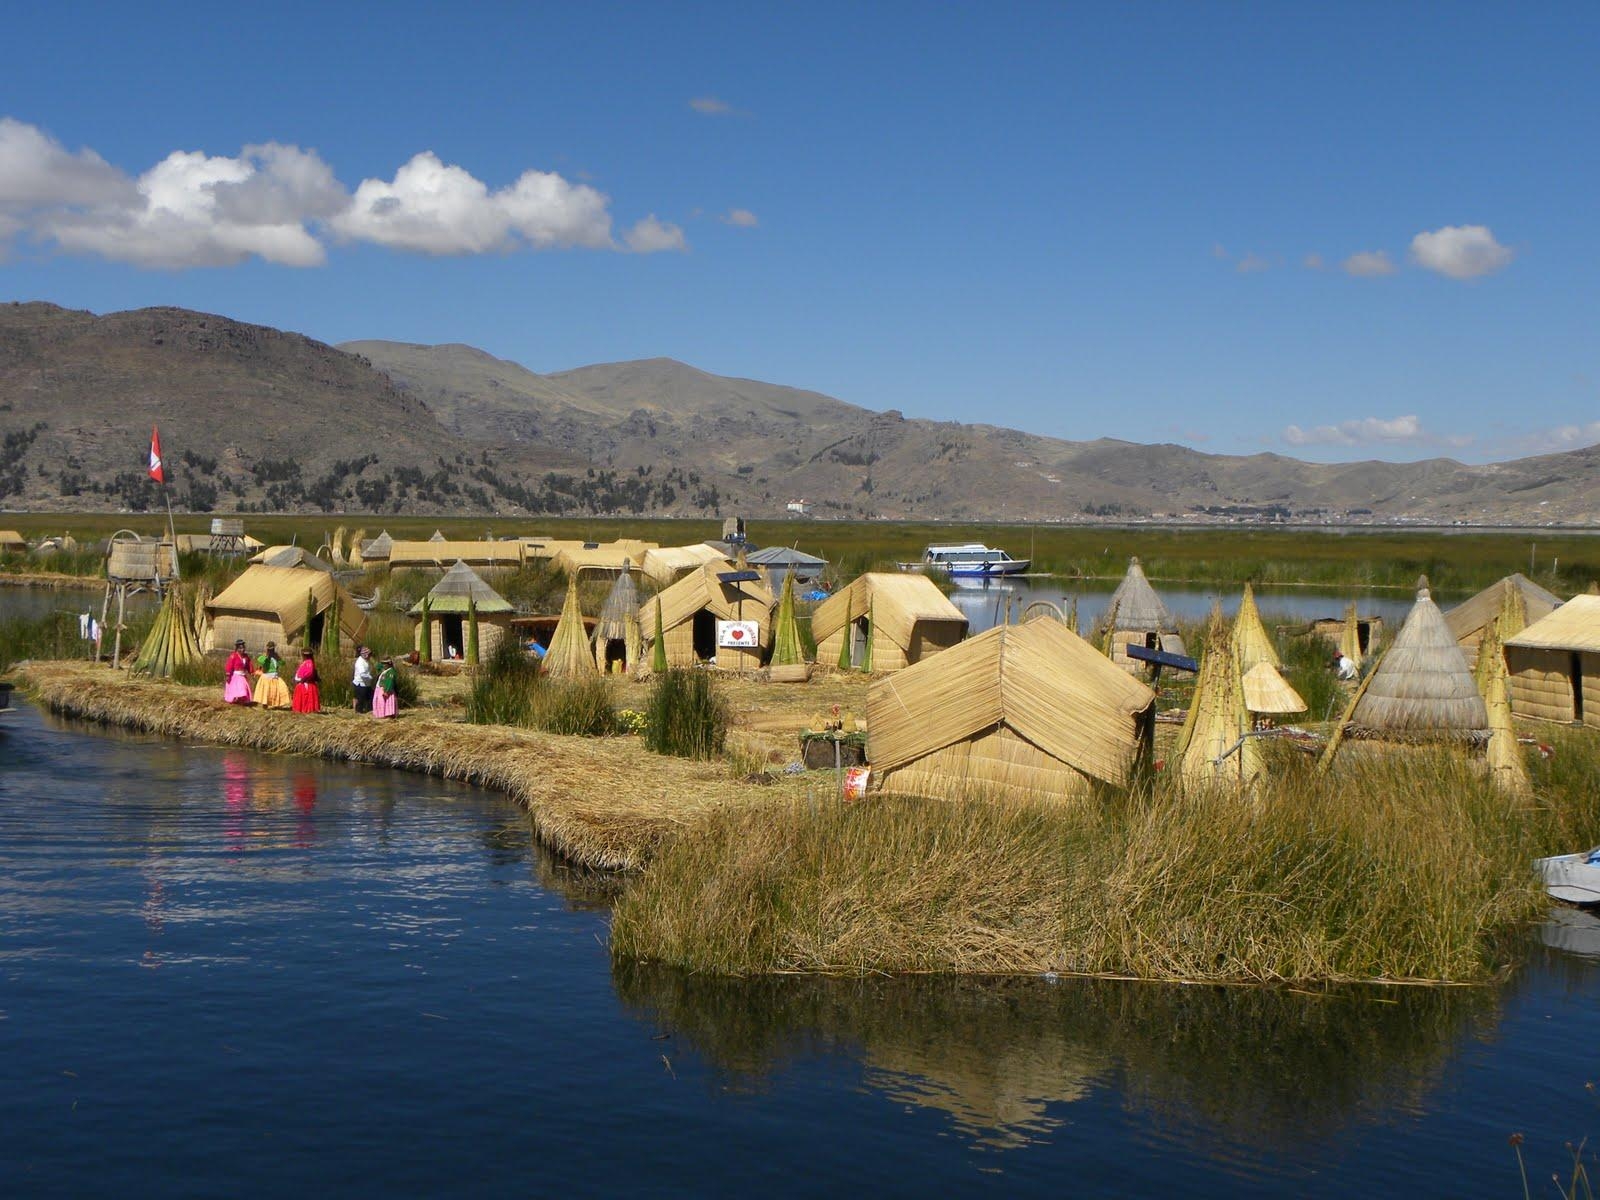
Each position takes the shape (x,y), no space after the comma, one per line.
(1570,877)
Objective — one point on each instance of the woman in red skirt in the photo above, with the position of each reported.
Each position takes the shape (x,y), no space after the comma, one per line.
(307,698)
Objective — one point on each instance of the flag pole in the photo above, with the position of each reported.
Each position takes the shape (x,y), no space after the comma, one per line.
(158,472)
(166,492)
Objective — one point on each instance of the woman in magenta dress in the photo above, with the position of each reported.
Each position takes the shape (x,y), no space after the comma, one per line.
(307,696)
(236,676)
(384,702)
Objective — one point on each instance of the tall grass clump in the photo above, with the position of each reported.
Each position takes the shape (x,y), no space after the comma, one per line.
(1402,866)
(204,671)
(1305,667)
(54,635)
(502,692)
(511,691)
(685,716)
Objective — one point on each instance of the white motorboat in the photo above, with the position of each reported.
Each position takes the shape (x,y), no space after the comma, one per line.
(1574,878)
(969,560)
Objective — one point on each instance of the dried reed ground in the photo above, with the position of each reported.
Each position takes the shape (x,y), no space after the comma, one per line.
(603,802)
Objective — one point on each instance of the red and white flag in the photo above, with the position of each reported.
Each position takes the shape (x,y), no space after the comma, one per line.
(156,472)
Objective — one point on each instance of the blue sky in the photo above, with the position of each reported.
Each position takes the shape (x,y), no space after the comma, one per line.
(1337,232)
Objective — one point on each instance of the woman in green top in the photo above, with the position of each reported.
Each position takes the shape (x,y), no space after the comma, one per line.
(384,702)
(271,691)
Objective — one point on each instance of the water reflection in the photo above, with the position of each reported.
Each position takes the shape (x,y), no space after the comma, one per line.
(1006,1059)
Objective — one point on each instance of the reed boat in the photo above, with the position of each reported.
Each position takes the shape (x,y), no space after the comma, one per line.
(1574,878)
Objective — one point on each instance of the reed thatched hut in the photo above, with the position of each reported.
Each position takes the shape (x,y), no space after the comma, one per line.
(1021,712)
(1250,641)
(568,655)
(1515,595)
(1422,688)
(1138,617)
(449,603)
(269,604)
(1555,665)
(696,613)
(618,643)
(595,560)
(665,565)
(886,621)
(12,542)
(441,555)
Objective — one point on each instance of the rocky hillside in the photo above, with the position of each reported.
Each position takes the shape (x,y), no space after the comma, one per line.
(257,419)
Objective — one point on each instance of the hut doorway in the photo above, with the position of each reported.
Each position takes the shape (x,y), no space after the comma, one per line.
(1577,687)
(452,632)
(705,635)
(615,658)
(860,631)
(314,630)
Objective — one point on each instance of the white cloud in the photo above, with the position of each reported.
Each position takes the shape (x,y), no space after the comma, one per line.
(36,170)
(1359,432)
(1369,264)
(650,236)
(434,208)
(1313,262)
(280,202)
(1460,251)
(1546,441)
(743,218)
(710,106)
(1252,264)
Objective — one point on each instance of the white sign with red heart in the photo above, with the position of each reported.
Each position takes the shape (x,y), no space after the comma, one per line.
(738,633)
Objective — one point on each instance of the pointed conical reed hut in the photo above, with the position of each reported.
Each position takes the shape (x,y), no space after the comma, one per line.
(788,661)
(617,641)
(1213,748)
(447,604)
(693,609)
(569,656)
(172,641)
(885,622)
(1019,712)
(1422,688)
(438,537)
(1267,693)
(270,604)
(1250,640)
(1515,597)
(1555,665)
(1136,615)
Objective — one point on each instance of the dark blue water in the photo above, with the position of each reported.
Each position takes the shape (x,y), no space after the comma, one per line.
(224,973)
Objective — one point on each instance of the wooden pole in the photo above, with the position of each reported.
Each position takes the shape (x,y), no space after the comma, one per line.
(116,653)
(177,572)
(105,609)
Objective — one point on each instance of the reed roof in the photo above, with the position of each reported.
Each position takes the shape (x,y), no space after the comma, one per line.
(442,554)
(1470,616)
(291,556)
(665,564)
(378,547)
(783,556)
(1267,691)
(11,538)
(279,594)
(1573,626)
(1136,605)
(621,605)
(747,600)
(1422,686)
(460,586)
(569,656)
(1250,640)
(896,601)
(1040,680)
(607,557)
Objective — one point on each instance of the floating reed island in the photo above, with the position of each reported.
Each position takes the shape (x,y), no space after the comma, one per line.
(1030,810)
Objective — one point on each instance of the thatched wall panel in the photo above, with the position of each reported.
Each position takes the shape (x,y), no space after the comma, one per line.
(1589,664)
(994,765)
(1541,683)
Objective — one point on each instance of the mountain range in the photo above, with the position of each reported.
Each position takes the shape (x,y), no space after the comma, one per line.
(257,419)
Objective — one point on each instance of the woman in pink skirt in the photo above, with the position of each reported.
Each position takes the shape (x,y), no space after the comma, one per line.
(384,701)
(236,676)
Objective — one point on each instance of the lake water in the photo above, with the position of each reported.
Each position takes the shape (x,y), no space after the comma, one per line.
(984,602)
(224,973)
